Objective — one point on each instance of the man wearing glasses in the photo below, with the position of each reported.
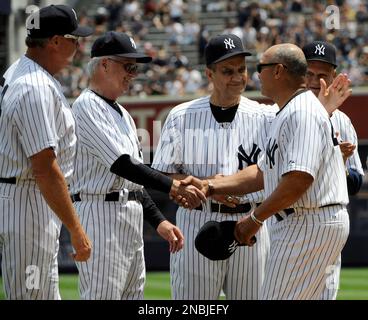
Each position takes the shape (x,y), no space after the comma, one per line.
(109,174)
(37,149)
(304,181)
(221,133)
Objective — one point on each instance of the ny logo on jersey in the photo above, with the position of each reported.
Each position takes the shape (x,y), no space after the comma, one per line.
(229,43)
(133,43)
(270,153)
(320,49)
(249,159)
(232,247)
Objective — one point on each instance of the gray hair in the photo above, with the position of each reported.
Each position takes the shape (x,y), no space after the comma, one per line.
(92,65)
(295,62)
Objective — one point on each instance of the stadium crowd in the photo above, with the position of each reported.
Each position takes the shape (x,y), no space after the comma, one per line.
(260,24)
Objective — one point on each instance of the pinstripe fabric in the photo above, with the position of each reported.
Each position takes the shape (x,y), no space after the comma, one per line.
(29,233)
(302,133)
(192,142)
(342,124)
(303,248)
(306,244)
(34,116)
(116,269)
(102,138)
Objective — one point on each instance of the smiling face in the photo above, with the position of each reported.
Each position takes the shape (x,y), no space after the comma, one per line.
(121,71)
(317,70)
(229,77)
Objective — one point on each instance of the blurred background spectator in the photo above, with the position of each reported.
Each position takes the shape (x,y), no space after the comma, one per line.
(175,33)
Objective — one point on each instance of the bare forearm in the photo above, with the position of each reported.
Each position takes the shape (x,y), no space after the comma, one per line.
(291,187)
(245,181)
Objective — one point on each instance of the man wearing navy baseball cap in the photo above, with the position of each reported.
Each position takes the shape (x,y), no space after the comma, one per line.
(112,182)
(53,40)
(55,20)
(233,125)
(321,71)
(223,47)
(38,135)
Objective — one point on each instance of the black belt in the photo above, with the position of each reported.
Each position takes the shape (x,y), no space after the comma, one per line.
(114,196)
(221,208)
(290,211)
(12,180)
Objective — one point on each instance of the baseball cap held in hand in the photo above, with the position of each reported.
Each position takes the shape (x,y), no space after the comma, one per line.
(114,43)
(216,241)
(320,51)
(222,47)
(55,20)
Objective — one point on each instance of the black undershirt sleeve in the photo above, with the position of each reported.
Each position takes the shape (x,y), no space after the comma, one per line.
(129,168)
(354,181)
(150,211)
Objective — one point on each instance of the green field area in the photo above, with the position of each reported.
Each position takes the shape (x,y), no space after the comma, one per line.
(353,286)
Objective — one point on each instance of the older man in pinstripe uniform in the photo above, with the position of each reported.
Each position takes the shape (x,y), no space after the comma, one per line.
(37,149)
(109,177)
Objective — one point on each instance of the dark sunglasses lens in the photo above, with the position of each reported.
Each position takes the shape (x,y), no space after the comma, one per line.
(131,68)
(259,68)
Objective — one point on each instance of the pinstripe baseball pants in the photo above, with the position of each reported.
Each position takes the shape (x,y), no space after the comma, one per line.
(116,268)
(29,242)
(303,249)
(195,277)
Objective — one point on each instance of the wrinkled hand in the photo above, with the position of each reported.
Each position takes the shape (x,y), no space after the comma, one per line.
(347,149)
(245,229)
(172,235)
(334,96)
(81,244)
(186,195)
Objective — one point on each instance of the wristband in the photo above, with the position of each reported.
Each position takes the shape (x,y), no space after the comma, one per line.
(255,220)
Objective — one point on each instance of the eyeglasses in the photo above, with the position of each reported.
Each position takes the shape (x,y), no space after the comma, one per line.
(260,66)
(70,36)
(131,68)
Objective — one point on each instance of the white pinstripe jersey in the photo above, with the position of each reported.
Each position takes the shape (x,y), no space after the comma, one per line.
(342,124)
(194,143)
(34,116)
(102,138)
(300,139)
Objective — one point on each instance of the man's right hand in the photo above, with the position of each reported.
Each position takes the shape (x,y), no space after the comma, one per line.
(81,244)
(186,195)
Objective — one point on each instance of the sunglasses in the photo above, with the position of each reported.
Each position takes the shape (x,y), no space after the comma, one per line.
(130,68)
(70,36)
(260,66)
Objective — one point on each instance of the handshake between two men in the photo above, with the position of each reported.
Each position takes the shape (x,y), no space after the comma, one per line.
(191,193)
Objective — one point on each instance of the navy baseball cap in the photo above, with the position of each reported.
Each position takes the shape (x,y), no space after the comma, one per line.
(55,20)
(320,51)
(216,240)
(222,47)
(114,43)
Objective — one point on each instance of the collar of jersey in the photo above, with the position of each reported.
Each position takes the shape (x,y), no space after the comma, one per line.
(223,115)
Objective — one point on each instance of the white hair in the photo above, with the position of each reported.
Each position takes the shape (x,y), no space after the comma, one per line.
(92,66)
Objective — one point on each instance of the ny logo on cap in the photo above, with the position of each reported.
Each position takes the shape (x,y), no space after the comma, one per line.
(320,49)
(232,246)
(229,43)
(133,43)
